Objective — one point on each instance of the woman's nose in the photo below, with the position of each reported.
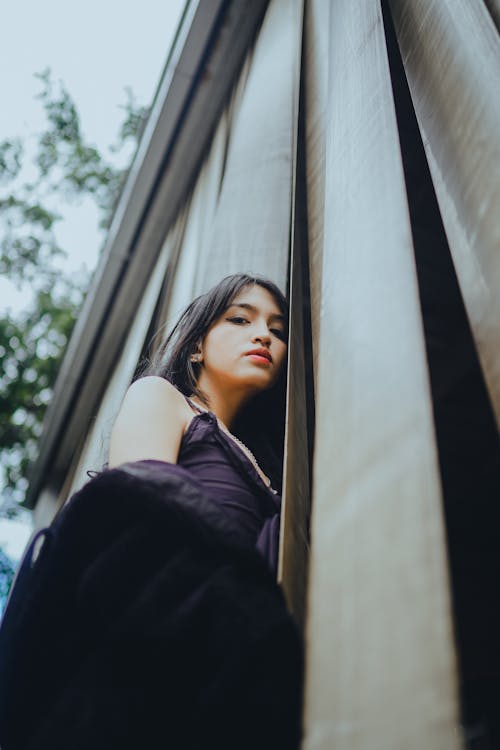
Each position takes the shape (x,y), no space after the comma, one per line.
(262,335)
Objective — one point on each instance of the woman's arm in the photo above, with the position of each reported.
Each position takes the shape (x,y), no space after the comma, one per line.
(150,423)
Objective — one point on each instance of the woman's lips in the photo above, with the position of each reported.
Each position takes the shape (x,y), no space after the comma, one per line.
(261,351)
(259,358)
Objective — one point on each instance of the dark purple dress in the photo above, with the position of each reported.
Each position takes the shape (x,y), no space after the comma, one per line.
(230,478)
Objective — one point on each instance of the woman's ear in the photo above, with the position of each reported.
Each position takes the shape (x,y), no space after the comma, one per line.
(198,355)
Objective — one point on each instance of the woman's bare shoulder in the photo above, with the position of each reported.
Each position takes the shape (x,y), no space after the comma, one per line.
(150,423)
(156,394)
(154,385)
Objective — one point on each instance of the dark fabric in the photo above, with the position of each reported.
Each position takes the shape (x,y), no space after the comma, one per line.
(148,620)
(228,475)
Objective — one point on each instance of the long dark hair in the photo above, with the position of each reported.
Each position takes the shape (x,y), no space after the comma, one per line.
(260,425)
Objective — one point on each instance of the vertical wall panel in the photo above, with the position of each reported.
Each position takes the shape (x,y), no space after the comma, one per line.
(316,30)
(451,53)
(294,538)
(381,672)
(251,229)
(186,281)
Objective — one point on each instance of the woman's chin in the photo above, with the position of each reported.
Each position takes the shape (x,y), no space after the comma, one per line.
(254,384)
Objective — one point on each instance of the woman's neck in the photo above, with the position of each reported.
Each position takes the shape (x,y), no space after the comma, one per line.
(225,406)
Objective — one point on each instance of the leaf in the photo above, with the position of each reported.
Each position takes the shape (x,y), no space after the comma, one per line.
(11,155)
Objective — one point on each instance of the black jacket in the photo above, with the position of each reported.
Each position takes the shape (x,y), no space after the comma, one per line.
(147,621)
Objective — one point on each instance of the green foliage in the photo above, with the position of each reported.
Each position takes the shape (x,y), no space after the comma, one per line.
(66,163)
(11,154)
(28,243)
(134,122)
(31,348)
(64,168)
(6,578)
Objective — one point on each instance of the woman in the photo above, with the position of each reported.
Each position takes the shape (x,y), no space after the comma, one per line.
(155,594)
(228,347)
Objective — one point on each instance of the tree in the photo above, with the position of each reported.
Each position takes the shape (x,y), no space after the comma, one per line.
(63,168)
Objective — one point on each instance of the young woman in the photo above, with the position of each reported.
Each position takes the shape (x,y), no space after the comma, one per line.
(228,348)
(151,617)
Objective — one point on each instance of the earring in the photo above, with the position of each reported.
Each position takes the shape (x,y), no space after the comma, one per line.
(196,358)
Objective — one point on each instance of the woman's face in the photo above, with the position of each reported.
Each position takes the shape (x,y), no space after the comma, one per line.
(245,348)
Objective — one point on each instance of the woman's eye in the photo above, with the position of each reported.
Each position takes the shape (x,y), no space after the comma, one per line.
(279,333)
(239,321)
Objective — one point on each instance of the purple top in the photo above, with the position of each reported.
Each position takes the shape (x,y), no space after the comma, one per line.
(230,478)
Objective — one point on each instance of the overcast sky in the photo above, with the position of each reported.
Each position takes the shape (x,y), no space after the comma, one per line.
(97,49)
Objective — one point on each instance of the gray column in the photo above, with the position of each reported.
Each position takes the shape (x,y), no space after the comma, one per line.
(381,668)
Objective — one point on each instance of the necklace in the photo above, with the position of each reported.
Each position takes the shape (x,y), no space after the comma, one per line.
(248,452)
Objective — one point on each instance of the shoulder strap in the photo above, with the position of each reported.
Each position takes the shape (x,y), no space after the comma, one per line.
(194,406)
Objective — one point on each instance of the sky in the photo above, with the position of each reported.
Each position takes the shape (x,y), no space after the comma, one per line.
(97,49)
